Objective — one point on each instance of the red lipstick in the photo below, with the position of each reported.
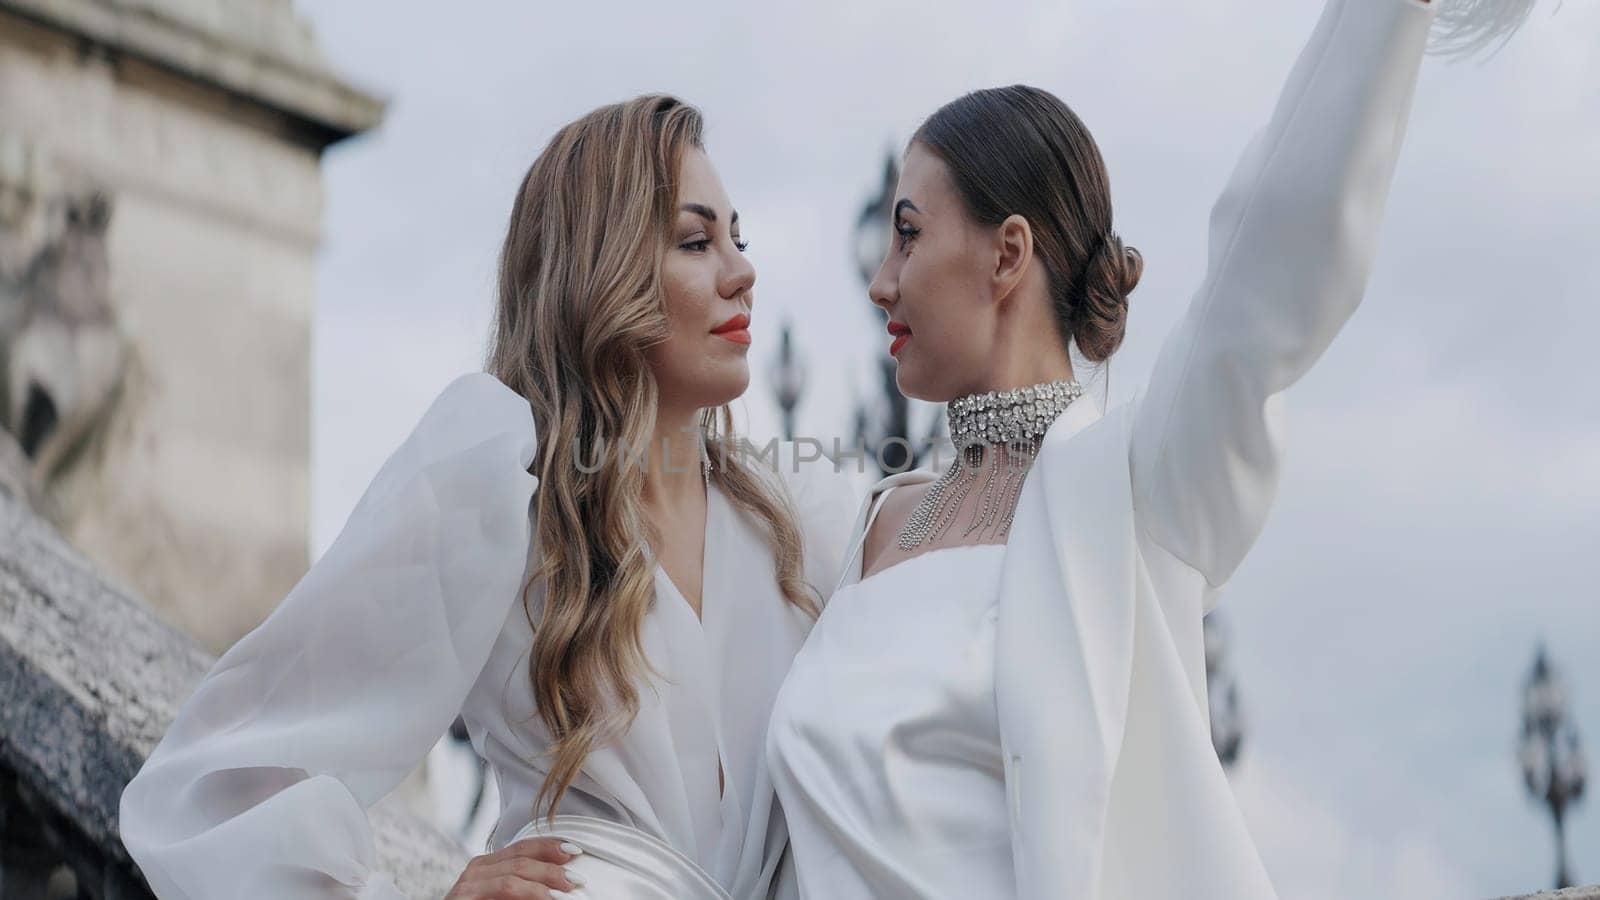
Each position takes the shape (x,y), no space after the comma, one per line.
(736,329)
(901,335)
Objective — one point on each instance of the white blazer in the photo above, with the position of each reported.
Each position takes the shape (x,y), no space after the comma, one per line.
(1130,522)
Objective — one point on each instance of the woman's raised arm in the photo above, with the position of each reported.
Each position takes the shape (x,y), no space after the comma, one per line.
(1292,240)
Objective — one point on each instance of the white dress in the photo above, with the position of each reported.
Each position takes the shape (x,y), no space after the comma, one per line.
(884,744)
(413,615)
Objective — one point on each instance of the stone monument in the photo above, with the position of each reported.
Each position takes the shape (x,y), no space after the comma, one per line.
(160,201)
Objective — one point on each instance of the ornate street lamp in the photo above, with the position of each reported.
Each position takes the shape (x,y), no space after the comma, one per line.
(885,426)
(1222,694)
(1550,752)
(480,779)
(872,225)
(788,379)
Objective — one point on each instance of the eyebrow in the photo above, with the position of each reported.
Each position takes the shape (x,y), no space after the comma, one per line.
(707,213)
(903,205)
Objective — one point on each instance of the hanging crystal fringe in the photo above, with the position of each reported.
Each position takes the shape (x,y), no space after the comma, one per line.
(996,436)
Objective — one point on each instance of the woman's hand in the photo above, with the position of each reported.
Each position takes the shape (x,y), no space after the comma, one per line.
(529,869)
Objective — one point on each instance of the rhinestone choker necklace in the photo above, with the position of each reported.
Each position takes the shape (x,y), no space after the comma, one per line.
(1012,421)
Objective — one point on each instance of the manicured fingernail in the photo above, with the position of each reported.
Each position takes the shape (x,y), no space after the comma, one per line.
(573,877)
(571,849)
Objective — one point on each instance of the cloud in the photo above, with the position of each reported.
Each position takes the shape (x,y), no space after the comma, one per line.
(1313,853)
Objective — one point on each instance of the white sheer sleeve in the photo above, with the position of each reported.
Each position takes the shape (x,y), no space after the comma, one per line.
(260,786)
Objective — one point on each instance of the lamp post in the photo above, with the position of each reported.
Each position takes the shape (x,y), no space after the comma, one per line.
(788,379)
(1222,694)
(480,779)
(890,429)
(872,225)
(1550,752)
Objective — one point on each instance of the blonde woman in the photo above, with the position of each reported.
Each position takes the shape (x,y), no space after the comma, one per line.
(568,551)
(1006,698)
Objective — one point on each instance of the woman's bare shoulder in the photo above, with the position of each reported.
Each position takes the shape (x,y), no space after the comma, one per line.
(892,516)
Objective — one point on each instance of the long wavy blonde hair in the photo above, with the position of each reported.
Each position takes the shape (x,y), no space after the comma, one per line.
(580,302)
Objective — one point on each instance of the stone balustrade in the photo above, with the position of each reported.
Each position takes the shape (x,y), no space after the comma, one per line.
(89,680)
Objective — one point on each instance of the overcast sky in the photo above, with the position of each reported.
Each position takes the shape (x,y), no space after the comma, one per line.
(1440,511)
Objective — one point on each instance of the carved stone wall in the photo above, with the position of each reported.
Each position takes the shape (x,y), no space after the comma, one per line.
(163,156)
